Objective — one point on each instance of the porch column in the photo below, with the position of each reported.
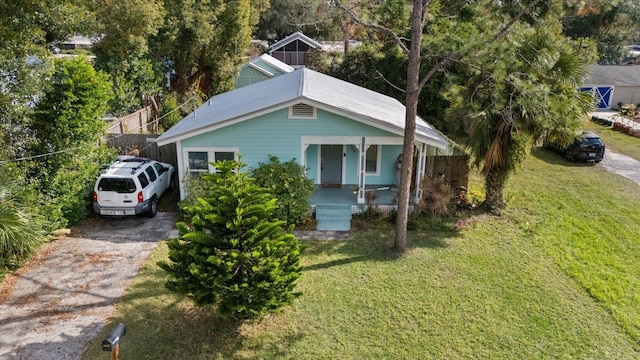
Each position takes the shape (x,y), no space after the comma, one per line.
(422,156)
(303,156)
(363,167)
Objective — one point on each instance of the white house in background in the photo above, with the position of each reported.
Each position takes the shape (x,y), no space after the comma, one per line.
(613,84)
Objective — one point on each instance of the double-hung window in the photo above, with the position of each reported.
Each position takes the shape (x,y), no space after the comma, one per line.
(199,160)
(372,161)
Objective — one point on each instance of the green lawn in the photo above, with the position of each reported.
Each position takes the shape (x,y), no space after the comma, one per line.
(555,277)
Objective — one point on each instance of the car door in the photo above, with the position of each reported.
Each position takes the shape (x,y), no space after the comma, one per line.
(163,177)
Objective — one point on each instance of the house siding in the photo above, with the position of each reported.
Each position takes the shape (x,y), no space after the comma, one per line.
(249,75)
(281,136)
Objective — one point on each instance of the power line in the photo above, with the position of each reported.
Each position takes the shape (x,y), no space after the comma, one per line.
(2,162)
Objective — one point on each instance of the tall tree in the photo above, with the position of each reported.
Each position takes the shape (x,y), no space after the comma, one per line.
(67,127)
(487,16)
(527,89)
(611,24)
(205,41)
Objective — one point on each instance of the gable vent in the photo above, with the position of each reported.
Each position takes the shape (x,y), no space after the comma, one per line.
(302,111)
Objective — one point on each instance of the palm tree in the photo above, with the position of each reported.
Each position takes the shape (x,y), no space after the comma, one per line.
(20,234)
(531,88)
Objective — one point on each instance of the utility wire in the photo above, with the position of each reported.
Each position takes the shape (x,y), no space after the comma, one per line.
(2,162)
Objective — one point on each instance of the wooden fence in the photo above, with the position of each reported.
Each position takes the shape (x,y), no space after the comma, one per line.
(454,168)
(139,122)
(144,145)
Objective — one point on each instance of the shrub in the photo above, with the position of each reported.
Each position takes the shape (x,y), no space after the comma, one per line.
(229,253)
(436,197)
(288,183)
(20,233)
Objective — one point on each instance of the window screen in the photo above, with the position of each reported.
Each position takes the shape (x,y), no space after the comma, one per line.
(372,159)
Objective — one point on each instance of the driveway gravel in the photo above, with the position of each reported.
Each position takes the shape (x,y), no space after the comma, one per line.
(52,307)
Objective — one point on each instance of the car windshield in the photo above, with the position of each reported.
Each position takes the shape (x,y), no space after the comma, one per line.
(592,141)
(119,185)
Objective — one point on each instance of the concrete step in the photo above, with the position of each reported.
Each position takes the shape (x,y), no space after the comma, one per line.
(333,217)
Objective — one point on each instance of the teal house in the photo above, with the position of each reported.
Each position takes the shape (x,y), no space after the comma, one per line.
(346,136)
(261,68)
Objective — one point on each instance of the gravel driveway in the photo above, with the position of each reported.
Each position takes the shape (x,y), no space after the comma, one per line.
(52,307)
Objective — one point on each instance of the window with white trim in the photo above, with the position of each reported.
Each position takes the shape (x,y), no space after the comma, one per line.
(302,111)
(372,159)
(199,159)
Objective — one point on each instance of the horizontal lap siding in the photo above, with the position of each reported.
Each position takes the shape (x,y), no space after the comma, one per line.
(276,134)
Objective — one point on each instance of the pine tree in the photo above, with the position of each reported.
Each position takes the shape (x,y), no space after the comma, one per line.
(229,254)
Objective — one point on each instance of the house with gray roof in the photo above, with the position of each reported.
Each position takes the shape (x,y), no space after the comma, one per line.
(261,68)
(346,136)
(613,84)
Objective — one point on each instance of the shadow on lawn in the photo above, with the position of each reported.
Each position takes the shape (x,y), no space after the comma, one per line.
(373,240)
(168,326)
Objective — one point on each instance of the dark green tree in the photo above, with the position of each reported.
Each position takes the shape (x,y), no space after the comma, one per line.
(67,127)
(513,99)
(289,184)
(205,42)
(229,253)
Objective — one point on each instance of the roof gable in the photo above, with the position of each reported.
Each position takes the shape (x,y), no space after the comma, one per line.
(301,86)
(293,37)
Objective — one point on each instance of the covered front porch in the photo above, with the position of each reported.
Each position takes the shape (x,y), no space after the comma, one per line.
(385,198)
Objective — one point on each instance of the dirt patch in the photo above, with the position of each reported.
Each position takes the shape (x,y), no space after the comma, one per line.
(56,304)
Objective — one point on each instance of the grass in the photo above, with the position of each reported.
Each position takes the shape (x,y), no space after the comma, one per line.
(616,140)
(555,277)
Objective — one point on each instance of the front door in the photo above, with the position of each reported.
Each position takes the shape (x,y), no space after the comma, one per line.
(331,164)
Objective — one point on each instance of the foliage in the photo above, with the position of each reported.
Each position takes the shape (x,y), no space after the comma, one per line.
(67,126)
(134,77)
(20,233)
(170,112)
(204,44)
(230,254)
(513,99)
(126,26)
(284,17)
(288,183)
(611,24)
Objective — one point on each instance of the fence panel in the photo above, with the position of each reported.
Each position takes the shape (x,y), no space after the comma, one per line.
(454,168)
(144,145)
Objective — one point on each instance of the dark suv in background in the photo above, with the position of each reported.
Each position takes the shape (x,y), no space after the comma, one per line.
(587,146)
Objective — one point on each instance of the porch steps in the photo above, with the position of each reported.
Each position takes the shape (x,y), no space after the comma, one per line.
(333,217)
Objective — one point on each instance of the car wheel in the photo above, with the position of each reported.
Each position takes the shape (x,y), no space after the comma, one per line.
(172,184)
(570,156)
(153,210)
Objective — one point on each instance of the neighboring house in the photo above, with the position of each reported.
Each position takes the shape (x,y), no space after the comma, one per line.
(613,84)
(295,49)
(345,135)
(261,68)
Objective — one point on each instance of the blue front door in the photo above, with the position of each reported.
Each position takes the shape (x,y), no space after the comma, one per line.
(331,164)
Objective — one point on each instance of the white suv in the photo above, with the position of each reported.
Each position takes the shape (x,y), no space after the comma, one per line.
(132,186)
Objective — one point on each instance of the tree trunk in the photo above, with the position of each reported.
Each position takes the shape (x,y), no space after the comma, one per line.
(494,184)
(413,92)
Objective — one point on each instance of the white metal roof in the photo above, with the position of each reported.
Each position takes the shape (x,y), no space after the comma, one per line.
(284,67)
(301,86)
